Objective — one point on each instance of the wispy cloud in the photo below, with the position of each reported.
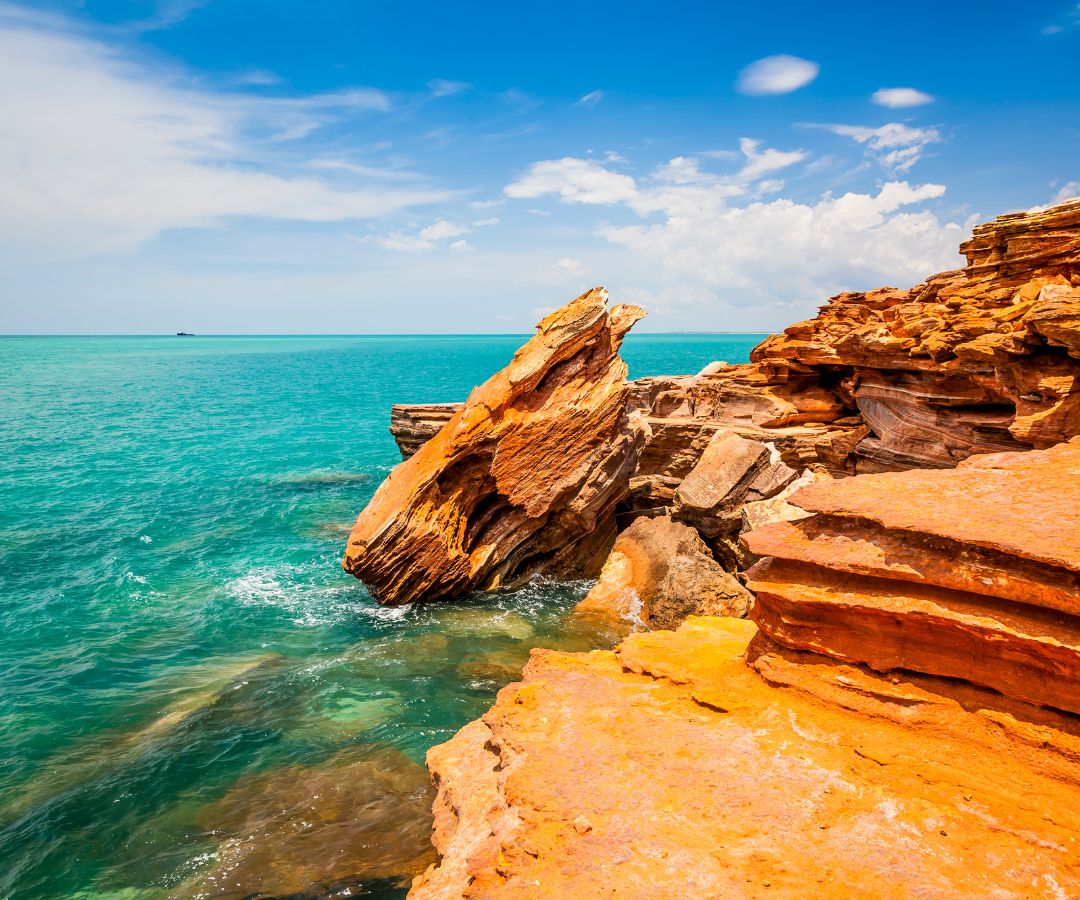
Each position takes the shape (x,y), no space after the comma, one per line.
(897,147)
(900,97)
(590,99)
(101,151)
(1071,19)
(776,75)
(441,87)
(257,78)
(1068,191)
(427,238)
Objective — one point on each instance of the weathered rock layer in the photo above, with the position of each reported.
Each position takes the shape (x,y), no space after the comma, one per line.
(670,768)
(969,573)
(522,480)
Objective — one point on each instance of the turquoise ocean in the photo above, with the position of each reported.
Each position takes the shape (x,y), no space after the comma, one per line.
(195,700)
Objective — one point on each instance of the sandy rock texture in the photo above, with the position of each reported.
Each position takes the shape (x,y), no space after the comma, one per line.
(703,763)
(971,573)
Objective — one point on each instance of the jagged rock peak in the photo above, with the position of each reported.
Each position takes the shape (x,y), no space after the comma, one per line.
(522,480)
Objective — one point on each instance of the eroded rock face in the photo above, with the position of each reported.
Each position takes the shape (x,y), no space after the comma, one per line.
(971,573)
(522,480)
(671,768)
(980,360)
(658,573)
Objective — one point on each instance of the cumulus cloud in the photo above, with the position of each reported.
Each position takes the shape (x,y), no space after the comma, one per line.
(895,145)
(574,180)
(591,98)
(900,97)
(835,243)
(677,182)
(101,153)
(776,75)
(719,238)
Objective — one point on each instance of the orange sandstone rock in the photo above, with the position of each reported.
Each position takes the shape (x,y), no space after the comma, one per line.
(971,573)
(982,359)
(658,573)
(671,768)
(522,480)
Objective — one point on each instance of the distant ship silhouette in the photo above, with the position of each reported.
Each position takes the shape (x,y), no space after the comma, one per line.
(184,334)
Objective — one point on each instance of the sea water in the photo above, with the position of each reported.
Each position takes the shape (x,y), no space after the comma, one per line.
(194,697)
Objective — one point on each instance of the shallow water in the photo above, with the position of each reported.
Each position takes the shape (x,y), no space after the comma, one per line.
(187,677)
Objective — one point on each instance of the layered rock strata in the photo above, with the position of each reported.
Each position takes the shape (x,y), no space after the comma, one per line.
(671,768)
(983,359)
(971,573)
(522,480)
(414,424)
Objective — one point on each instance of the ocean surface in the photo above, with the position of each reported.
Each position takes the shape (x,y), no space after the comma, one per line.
(195,699)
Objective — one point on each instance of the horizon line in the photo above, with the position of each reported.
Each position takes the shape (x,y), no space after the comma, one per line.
(269,334)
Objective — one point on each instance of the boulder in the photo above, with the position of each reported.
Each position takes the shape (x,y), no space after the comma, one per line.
(523,480)
(710,496)
(658,573)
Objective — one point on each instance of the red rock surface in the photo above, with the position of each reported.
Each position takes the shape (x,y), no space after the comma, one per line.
(524,479)
(977,360)
(670,768)
(969,573)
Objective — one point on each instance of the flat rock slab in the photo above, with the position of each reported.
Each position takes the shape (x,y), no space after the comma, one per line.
(1024,652)
(1023,504)
(670,768)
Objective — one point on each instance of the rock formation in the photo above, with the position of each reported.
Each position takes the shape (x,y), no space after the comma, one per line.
(414,424)
(901,716)
(522,480)
(978,360)
(658,573)
(671,768)
(971,573)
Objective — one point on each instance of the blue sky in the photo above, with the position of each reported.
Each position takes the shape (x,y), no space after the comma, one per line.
(287,167)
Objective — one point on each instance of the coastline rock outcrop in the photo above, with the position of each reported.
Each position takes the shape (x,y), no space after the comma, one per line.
(660,572)
(970,573)
(671,768)
(900,479)
(980,360)
(522,480)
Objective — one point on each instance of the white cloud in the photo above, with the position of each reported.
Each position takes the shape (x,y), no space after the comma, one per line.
(440,87)
(590,99)
(481,223)
(776,75)
(718,239)
(901,97)
(257,78)
(461,246)
(99,152)
(569,266)
(574,180)
(680,182)
(895,145)
(843,243)
(760,162)
(427,238)
(1068,191)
